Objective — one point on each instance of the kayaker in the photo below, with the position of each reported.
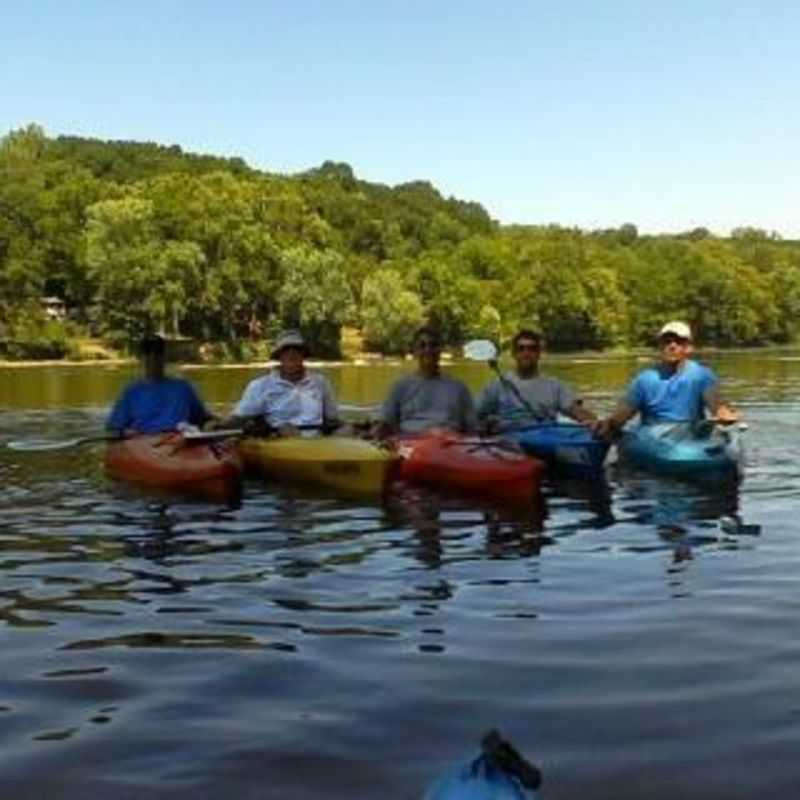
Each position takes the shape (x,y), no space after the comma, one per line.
(156,403)
(677,389)
(523,396)
(427,399)
(290,397)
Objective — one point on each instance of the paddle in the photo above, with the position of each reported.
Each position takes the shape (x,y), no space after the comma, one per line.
(208,436)
(41,445)
(44,445)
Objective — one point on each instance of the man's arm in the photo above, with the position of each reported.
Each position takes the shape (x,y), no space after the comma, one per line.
(487,408)
(613,423)
(247,412)
(198,413)
(330,408)
(719,409)
(252,425)
(120,417)
(486,402)
(569,404)
(469,420)
(580,413)
(389,423)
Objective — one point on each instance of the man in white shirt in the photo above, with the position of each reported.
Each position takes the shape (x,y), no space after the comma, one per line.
(291,397)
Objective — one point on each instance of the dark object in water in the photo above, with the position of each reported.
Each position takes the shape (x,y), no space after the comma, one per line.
(498,773)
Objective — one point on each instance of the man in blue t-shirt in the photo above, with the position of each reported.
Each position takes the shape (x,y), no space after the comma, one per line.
(156,403)
(674,390)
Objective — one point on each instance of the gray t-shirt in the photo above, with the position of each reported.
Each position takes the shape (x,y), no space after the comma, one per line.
(547,397)
(417,404)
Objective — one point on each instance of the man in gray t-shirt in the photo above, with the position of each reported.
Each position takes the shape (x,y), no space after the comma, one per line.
(427,399)
(523,396)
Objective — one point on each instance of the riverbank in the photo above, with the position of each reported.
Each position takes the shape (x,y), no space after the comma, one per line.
(94,354)
(368,360)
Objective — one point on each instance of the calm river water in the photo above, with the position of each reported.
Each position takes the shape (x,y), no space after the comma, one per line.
(637,638)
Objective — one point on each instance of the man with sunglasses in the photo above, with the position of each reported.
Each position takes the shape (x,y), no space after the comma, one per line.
(676,389)
(427,399)
(523,396)
(288,398)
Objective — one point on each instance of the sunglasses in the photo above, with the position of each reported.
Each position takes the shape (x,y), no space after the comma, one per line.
(672,338)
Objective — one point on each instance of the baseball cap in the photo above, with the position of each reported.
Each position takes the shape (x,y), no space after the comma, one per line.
(290,338)
(677,328)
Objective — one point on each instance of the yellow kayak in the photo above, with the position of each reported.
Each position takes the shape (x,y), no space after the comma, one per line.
(343,463)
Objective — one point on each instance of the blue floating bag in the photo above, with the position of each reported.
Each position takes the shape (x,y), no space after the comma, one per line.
(498,773)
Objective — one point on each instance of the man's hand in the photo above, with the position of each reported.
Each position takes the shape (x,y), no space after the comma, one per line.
(727,414)
(489,426)
(602,428)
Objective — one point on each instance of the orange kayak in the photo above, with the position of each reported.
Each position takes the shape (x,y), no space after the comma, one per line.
(167,461)
(485,467)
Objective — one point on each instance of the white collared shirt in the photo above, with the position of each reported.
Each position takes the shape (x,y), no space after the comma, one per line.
(309,401)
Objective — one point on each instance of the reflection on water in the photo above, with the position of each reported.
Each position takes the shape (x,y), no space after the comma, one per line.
(634,635)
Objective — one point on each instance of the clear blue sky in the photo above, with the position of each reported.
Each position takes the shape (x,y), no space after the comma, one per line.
(669,115)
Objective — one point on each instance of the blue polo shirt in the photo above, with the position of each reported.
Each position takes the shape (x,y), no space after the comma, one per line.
(660,395)
(157,406)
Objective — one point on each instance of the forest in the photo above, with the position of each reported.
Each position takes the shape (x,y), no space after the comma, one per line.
(138,237)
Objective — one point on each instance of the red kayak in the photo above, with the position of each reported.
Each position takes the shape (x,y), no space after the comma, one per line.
(486,467)
(168,461)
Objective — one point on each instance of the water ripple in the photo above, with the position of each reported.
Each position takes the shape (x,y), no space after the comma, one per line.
(299,645)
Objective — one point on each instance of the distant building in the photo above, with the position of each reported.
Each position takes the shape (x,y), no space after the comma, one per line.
(54,307)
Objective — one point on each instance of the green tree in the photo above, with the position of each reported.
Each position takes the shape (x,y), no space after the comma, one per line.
(390,313)
(315,296)
(143,281)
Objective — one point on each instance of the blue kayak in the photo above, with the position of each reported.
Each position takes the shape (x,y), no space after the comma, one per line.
(679,450)
(569,449)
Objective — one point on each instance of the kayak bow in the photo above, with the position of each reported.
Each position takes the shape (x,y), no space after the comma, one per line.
(486,467)
(344,463)
(171,462)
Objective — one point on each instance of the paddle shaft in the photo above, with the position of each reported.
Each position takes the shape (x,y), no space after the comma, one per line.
(512,387)
(37,445)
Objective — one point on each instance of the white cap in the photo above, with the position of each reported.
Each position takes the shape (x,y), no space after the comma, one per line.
(677,328)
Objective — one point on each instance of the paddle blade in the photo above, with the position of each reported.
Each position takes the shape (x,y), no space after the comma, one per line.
(480,350)
(42,445)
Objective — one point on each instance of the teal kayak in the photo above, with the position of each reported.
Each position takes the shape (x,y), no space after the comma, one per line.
(684,451)
(497,773)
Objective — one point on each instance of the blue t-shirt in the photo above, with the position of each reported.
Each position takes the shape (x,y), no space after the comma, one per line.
(157,406)
(661,395)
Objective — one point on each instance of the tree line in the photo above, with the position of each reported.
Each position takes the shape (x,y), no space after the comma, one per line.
(139,237)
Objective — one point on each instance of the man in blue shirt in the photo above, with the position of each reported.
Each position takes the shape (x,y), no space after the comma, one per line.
(674,390)
(156,403)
